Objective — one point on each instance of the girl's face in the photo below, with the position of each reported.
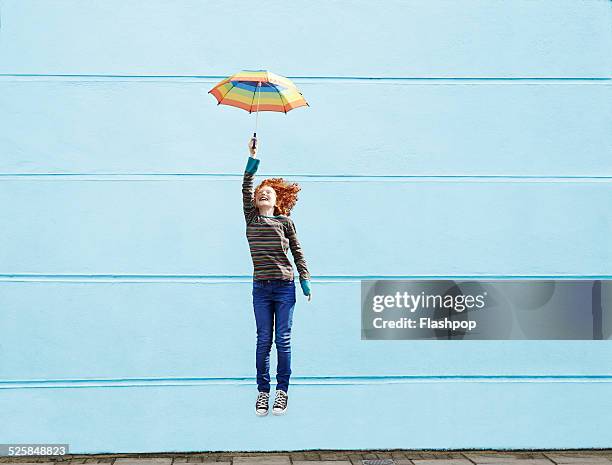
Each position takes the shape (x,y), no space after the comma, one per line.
(266,197)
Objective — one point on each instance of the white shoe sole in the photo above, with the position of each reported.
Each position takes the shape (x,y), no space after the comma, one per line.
(279,412)
(261,414)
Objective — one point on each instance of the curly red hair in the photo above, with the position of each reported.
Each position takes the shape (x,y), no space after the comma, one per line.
(286,194)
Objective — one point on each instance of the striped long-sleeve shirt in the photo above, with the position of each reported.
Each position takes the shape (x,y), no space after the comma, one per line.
(270,237)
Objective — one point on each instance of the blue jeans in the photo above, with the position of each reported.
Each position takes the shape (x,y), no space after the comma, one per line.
(273,299)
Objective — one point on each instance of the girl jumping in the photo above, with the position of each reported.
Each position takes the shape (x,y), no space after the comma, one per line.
(271,233)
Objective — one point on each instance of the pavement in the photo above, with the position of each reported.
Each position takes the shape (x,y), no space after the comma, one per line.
(329,457)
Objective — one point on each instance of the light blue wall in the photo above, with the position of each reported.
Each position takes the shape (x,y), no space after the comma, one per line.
(445,138)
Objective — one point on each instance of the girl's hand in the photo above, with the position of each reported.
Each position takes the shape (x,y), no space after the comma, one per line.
(252,150)
(305,284)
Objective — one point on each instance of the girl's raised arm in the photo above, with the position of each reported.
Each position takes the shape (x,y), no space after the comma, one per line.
(248,205)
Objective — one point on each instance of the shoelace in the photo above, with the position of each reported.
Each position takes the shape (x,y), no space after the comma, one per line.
(262,400)
(281,400)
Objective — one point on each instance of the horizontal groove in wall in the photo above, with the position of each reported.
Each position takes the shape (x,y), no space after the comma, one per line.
(157,177)
(33,277)
(297,380)
(306,79)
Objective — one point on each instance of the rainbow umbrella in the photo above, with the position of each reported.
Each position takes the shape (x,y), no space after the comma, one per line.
(258,90)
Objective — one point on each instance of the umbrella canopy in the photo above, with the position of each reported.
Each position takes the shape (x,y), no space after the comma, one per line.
(258,90)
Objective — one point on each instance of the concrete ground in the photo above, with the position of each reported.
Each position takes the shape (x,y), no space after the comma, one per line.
(328,457)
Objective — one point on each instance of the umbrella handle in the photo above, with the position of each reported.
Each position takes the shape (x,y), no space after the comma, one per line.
(255,141)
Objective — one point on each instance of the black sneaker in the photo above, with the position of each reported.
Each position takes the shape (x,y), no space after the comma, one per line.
(261,405)
(280,402)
